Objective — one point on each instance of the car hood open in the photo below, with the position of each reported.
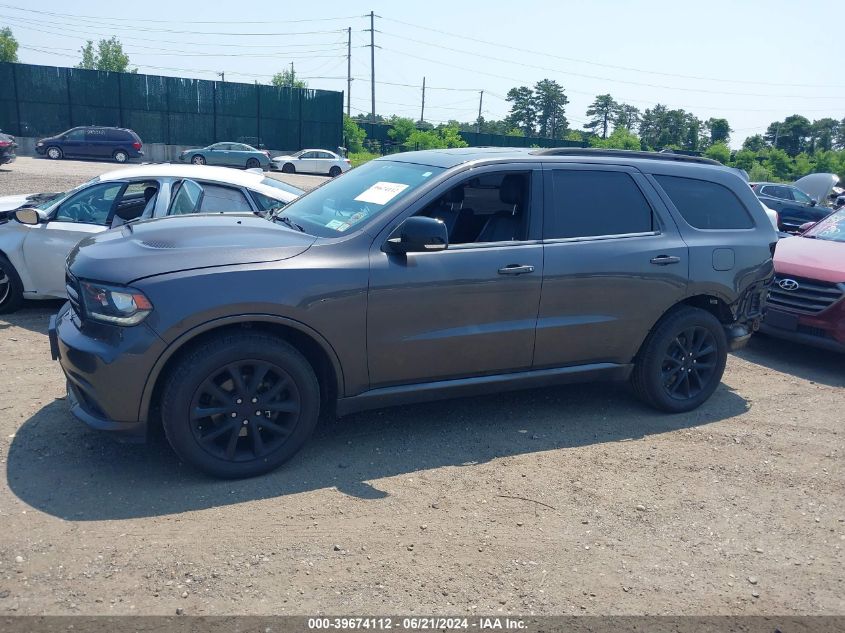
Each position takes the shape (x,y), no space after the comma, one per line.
(814,259)
(817,186)
(167,245)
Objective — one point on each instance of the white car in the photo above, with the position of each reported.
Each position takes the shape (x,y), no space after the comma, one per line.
(312,161)
(38,232)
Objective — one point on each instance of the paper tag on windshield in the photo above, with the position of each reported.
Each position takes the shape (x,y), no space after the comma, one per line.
(381,192)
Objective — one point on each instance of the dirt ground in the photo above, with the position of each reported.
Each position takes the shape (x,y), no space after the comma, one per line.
(570,500)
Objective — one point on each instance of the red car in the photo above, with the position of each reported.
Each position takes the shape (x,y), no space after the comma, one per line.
(807,298)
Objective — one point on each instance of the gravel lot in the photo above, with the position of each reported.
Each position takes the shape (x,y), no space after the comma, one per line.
(571,500)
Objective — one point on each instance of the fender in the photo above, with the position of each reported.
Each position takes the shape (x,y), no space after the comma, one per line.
(181,341)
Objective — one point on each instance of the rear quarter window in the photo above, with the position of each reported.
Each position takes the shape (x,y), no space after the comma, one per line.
(704,204)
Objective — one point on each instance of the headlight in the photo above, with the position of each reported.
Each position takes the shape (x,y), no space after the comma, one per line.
(39,143)
(121,306)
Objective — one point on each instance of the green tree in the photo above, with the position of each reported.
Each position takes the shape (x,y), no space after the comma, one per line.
(354,135)
(745,159)
(8,45)
(754,143)
(550,104)
(287,79)
(720,152)
(779,163)
(824,133)
(839,140)
(402,129)
(602,111)
(619,139)
(523,114)
(801,166)
(450,135)
(719,129)
(792,134)
(108,55)
(759,173)
(626,116)
(826,162)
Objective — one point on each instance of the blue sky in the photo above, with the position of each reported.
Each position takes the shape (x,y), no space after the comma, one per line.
(751,62)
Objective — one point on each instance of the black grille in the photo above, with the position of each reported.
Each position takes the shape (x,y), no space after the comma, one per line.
(809,297)
(73,290)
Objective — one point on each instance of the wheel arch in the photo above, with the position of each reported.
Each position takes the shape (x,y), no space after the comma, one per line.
(307,341)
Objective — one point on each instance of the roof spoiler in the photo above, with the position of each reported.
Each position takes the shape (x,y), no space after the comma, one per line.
(625,153)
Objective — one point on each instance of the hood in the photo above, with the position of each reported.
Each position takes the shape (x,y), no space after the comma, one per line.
(166,245)
(814,259)
(10,203)
(817,186)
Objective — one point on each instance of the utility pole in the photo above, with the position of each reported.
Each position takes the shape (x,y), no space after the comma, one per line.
(372,67)
(777,133)
(478,121)
(222,76)
(349,71)
(422,110)
(292,76)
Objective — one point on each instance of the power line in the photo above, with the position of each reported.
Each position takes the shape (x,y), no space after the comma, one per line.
(464,36)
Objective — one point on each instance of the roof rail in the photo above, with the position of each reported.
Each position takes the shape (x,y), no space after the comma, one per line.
(625,153)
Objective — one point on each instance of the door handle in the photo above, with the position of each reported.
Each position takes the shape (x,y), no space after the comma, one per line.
(516,269)
(665,260)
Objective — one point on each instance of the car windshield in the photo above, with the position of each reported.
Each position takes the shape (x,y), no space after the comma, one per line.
(276,184)
(362,194)
(831,228)
(43,201)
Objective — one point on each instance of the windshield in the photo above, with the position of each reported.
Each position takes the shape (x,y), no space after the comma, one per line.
(43,201)
(283,186)
(360,195)
(831,228)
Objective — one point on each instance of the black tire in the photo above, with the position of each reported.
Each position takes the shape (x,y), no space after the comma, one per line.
(120,156)
(334,171)
(204,382)
(681,361)
(198,160)
(252,163)
(55,153)
(288,168)
(11,288)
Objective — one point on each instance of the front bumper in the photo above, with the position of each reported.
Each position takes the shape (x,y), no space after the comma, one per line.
(805,330)
(106,369)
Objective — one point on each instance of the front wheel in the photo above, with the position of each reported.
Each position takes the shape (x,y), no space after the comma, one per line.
(288,168)
(54,153)
(682,361)
(198,160)
(120,156)
(11,289)
(252,163)
(240,405)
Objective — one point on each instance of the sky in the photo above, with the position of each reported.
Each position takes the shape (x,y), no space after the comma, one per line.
(751,62)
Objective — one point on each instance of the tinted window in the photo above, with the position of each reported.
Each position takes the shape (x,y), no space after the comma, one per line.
(219,199)
(75,135)
(89,206)
(706,205)
(591,203)
(186,197)
(800,196)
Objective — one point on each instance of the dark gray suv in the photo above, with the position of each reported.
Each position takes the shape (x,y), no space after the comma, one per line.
(417,276)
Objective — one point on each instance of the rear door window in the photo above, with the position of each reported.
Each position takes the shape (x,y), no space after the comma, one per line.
(220,199)
(704,204)
(596,203)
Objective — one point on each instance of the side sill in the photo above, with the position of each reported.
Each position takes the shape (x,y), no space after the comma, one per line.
(478,385)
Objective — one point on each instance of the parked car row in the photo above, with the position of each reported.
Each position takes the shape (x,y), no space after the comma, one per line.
(793,205)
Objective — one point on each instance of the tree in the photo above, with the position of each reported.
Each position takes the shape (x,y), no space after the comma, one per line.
(778,163)
(824,133)
(354,135)
(801,166)
(791,135)
(619,139)
(719,129)
(601,110)
(626,116)
(8,45)
(549,103)
(839,142)
(402,129)
(108,56)
(745,159)
(523,114)
(720,152)
(287,79)
(754,143)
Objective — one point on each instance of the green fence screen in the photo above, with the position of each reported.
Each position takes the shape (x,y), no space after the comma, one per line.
(41,101)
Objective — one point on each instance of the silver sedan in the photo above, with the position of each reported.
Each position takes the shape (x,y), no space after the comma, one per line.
(312,161)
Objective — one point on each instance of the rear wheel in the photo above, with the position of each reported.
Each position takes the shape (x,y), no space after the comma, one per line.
(252,163)
(334,171)
(11,289)
(682,361)
(240,405)
(198,160)
(288,168)
(54,153)
(120,156)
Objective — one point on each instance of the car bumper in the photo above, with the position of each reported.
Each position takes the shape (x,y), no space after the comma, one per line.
(807,331)
(7,158)
(106,370)
(41,150)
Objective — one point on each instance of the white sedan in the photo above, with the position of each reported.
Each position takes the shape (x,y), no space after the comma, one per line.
(312,161)
(38,232)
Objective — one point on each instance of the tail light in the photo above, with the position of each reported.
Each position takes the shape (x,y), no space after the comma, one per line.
(346,160)
(136,145)
(266,153)
(5,143)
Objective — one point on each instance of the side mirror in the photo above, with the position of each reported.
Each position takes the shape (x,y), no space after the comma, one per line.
(813,202)
(28,216)
(805,226)
(418,234)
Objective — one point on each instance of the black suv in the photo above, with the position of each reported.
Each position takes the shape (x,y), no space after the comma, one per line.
(92,141)
(423,275)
